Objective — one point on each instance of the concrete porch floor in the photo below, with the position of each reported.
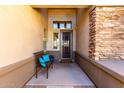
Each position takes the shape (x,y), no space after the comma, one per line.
(63,75)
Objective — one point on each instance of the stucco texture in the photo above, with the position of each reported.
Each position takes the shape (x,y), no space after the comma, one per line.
(82,33)
(21,35)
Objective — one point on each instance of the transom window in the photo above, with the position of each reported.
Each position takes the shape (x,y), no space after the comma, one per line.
(62,24)
(55,25)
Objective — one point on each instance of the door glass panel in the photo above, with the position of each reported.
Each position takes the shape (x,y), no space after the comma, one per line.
(66,52)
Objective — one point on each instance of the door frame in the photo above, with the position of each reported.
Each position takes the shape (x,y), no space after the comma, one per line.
(71,43)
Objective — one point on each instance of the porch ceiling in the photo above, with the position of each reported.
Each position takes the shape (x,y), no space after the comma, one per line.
(60,6)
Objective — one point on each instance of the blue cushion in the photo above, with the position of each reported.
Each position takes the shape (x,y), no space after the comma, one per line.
(46,58)
(43,65)
(52,59)
(42,62)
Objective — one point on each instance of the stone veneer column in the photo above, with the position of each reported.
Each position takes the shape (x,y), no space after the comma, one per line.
(92,19)
(106,33)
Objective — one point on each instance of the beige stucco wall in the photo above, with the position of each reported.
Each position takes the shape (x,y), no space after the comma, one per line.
(82,33)
(44,16)
(60,15)
(21,35)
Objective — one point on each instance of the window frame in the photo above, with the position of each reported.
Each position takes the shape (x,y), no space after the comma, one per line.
(65,23)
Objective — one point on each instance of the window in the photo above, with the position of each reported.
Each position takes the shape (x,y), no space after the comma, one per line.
(62,24)
(55,40)
(55,25)
(68,25)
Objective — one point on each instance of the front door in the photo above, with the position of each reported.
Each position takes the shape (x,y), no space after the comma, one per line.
(66,44)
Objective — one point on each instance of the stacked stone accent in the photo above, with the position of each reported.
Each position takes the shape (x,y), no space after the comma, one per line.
(92,19)
(107,33)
